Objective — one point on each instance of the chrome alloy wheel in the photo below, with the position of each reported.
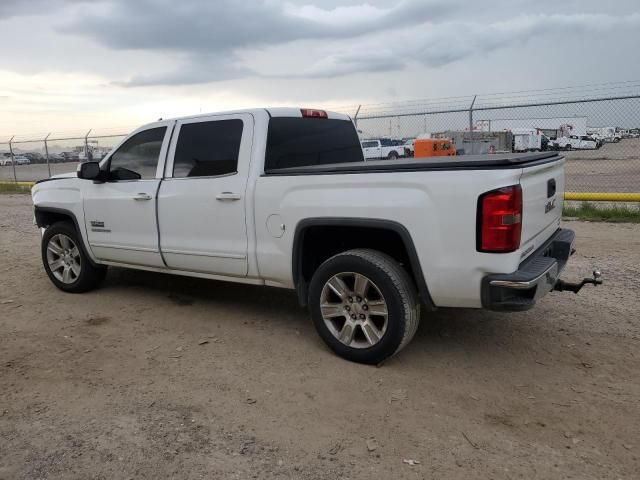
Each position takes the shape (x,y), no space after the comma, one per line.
(354,310)
(63,257)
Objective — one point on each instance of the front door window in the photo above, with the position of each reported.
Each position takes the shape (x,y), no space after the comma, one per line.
(137,158)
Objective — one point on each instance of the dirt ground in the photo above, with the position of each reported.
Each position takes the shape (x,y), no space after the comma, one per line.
(615,167)
(155,376)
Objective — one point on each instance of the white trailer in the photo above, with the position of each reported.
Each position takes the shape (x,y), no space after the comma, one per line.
(527,140)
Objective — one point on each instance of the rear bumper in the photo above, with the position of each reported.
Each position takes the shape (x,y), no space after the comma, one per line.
(535,277)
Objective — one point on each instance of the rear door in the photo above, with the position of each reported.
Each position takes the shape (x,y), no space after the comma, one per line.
(542,201)
(201,203)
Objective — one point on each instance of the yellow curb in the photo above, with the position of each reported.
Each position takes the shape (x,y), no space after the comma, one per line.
(602,196)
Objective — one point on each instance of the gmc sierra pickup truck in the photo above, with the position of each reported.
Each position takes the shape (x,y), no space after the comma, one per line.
(283,197)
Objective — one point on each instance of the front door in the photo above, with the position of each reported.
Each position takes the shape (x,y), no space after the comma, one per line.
(120,214)
(201,203)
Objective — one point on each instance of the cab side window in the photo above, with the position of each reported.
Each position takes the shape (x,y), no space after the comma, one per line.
(208,149)
(137,158)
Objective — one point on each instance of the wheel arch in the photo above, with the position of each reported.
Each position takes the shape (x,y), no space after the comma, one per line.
(302,263)
(46,216)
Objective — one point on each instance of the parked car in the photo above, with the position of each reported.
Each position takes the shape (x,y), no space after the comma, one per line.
(596,138)
(382,148)
(34,157)
(70,156)
(575,142)
(5,161)
(605,134)
(21,160)
(365,245)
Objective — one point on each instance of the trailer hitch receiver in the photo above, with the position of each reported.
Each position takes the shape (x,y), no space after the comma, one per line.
(562,286)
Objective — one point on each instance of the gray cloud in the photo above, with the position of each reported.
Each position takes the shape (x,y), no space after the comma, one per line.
(210,33)
(220,26)
(195,70)
(436,45)
(171,42)
(18,8)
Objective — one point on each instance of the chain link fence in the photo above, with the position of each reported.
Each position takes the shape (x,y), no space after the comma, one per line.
(28,159)
(598,135)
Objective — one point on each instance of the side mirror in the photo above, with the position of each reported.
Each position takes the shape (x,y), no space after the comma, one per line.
(89,171)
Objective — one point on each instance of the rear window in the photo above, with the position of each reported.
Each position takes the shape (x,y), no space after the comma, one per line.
(301,142)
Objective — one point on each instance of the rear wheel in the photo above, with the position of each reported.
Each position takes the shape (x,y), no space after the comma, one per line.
(66,262)
(364,305)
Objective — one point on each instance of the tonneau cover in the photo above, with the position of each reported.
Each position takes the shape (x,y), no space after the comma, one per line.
(461,162)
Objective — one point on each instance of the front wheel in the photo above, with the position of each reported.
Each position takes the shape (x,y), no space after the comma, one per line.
(66,262)
(364,305)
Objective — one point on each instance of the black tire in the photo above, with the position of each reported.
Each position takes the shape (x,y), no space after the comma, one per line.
(89,276)
(567,147)
(396,289)
(392,155)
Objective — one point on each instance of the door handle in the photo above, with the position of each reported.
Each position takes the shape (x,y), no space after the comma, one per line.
(142,196)
(228,196)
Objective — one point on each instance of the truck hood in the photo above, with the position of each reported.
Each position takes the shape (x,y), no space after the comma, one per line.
(59,176)
(65,175)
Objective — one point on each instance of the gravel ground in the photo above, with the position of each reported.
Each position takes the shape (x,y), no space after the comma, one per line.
(155,376)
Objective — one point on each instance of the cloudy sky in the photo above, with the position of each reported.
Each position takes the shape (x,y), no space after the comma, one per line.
(74,64)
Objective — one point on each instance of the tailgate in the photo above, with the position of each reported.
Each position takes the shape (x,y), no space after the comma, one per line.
(542,200)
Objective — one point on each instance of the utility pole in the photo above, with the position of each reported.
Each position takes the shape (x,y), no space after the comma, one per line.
(46,153)
(471,124)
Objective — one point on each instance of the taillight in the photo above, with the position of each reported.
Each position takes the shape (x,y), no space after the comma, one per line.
(500,220)
(311,113)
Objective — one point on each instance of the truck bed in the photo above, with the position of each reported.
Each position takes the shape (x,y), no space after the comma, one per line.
(463,162)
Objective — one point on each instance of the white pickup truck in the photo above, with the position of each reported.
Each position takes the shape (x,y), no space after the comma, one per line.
(575,142)
(283,197)
(383,148)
